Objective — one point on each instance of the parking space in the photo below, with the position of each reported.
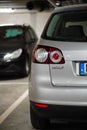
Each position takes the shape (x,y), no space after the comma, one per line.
(18,119)
(14,104)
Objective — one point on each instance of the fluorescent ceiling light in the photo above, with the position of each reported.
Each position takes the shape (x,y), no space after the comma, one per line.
(6,10)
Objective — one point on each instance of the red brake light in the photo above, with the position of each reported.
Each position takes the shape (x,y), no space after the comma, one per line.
(48,55)
(41,105)
(55,56)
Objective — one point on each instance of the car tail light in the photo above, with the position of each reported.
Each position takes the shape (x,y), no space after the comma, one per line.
(41,55)
(48,55)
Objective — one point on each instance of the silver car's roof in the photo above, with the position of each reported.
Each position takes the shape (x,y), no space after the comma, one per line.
(70,8)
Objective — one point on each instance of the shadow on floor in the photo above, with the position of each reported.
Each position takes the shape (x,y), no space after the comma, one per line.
(70,126)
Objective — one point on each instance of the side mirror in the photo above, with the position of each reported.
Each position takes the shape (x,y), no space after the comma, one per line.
(39,5)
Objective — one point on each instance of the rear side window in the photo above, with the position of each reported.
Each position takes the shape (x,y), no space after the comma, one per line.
(69,26)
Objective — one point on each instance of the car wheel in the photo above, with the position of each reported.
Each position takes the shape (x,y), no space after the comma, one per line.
(37,121)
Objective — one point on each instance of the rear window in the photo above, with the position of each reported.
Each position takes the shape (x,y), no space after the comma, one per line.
(68,26)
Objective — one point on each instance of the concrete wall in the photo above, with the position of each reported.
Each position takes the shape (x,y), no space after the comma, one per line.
(36,20)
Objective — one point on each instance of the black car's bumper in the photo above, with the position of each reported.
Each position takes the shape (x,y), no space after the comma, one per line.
(13,67)
(61,112)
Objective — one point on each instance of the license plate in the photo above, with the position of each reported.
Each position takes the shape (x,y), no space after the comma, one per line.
(83,68)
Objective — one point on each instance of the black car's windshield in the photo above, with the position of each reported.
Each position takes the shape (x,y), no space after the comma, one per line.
(67,26)
(8,33)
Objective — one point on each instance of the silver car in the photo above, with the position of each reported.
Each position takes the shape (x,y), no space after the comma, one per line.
(58,83)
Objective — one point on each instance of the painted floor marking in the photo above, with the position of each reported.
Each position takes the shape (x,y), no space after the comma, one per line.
(13,106)
(13,83)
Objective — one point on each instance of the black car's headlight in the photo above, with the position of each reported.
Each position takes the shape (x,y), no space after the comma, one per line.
(13,55)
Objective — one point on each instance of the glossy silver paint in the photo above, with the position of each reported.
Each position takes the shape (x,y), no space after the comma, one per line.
(59,84)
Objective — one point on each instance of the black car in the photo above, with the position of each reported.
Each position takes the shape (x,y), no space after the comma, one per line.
(16,45)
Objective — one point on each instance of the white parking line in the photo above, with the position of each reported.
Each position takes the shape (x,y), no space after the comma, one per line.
(13,106)
(13,83)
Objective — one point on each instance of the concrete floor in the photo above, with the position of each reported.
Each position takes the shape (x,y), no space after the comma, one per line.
(18,117)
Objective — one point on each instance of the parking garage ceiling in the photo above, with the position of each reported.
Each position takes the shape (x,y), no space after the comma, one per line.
(21,4)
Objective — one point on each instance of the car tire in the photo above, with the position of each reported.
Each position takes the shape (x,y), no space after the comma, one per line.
(37,121)
(27,68)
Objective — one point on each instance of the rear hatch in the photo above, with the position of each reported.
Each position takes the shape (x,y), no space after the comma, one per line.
(74,71)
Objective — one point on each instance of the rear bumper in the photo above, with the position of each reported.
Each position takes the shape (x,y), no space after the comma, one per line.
(41,88)
(62,112)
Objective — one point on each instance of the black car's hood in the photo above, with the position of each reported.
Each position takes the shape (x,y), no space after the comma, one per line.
(7,46)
